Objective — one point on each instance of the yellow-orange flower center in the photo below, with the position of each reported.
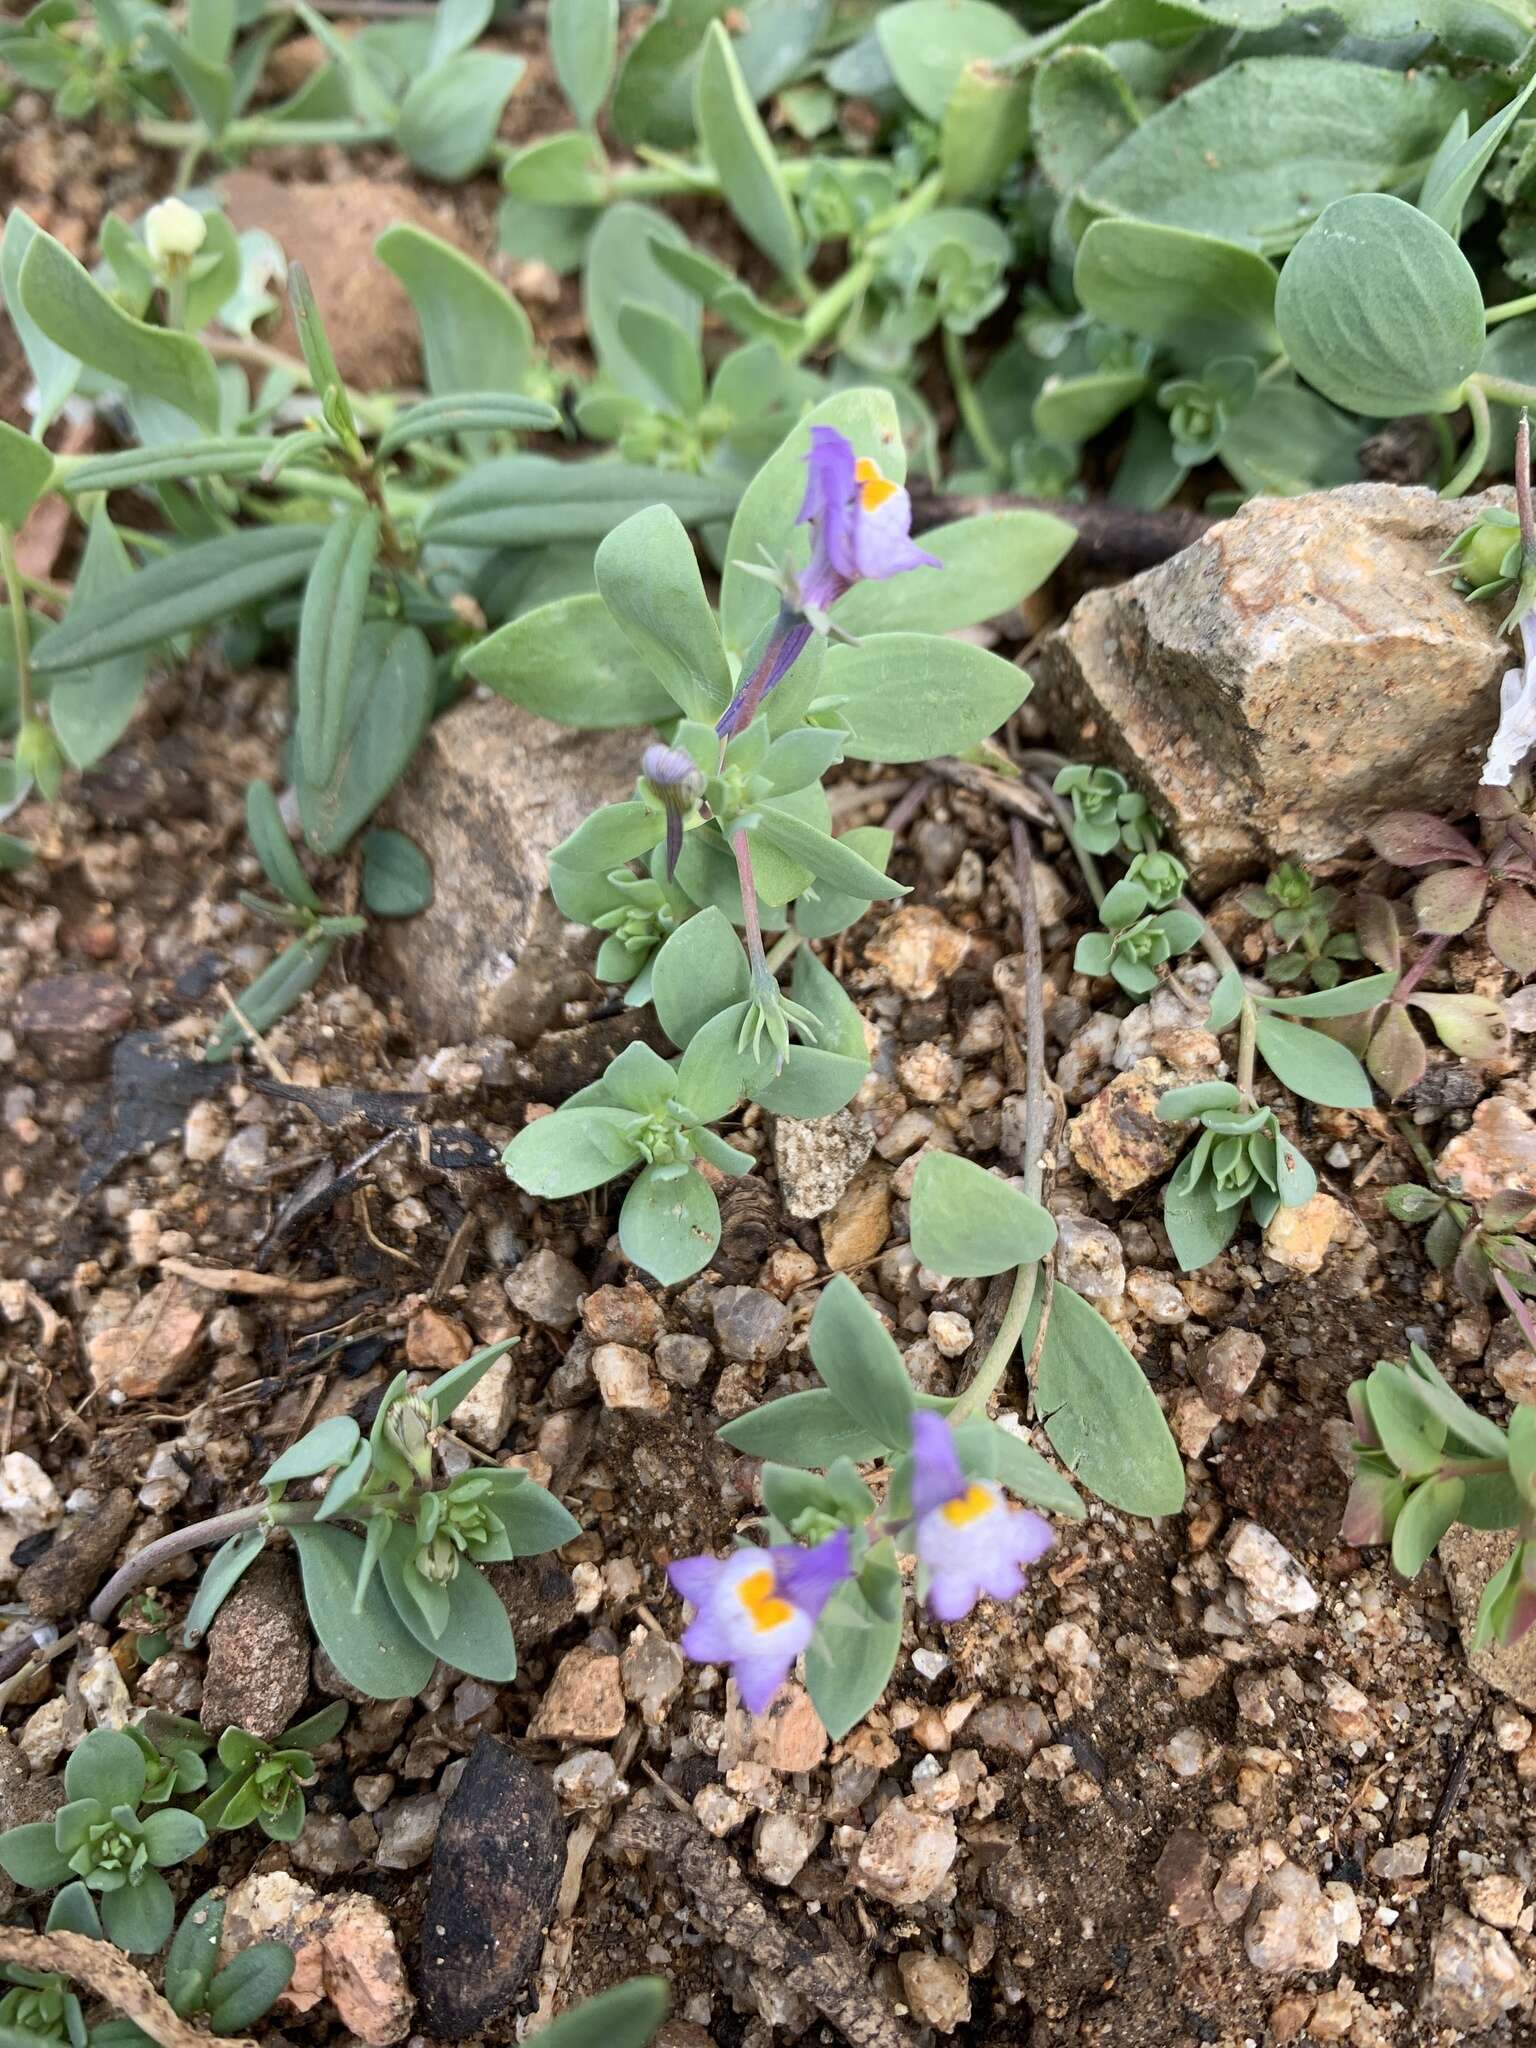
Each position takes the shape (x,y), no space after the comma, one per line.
(759,1595)
(874,489)
(974,1502)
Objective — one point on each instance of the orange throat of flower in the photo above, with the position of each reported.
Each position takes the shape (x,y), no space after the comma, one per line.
(874,489)
(969,1506)
(759,1595)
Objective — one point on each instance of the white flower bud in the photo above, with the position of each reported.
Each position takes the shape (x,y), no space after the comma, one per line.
(174,232)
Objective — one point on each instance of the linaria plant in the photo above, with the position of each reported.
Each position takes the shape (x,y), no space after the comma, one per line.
(1426,1461)
(1300,913)
(264,1782)
(386,1603)
(1485,1247)
(1386,1036)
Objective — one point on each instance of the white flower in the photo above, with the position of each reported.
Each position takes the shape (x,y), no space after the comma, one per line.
(1516,735)
(173,232)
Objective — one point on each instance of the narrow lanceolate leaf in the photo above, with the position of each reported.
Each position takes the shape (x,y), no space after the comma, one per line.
(469,412)
(389,701)
(329,625)
(181,593)
(583,39)
(239,455)
(743,157)
(63,300)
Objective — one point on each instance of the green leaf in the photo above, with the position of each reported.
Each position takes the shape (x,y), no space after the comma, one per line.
(208,84)
(990,564)
(725,295)
(448,119)
(1484,1439)
(181,593)
(911,696)
(274,849)
(272,994)
(397,876)
(389,699)
(372,1649)
(1457,170)
(1311,1065)
(984,132)
(535,1521)
(625,2017)
(929,43)
(520,501)
(572,1150)
(329,624)
(1348,999)
(669,354)
(1191,293)
(64,301)
(737,145)
(29,1857)
(858,1360)
(190,1960)
(89,713)
(611,836)
(830,860)
(1379,309)
(669,1225)
(139,1918)
(107,1766)
(1256,152)
(1178,1105)
(1288,440)
(1019,1466)
(583,41)
(171,1836)
(771,502)
(649,104)
(25,470)
(476,1637)
(1100,1415)
(621,269)
(812,1430)
(573,662)
(474,335)
(73,1911)
(249,1985)
(648,576)
(851,1656)
(699,970)
(55,370)
(1425,1517)
(314,342)
(1081,107)
(223,1572)
(1411,1435)
(828,912)
(459,1381)
(469,412)
(967,1223)
(329,1443)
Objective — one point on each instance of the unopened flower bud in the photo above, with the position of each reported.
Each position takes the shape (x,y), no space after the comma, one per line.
(173,233)
(674,777)
(438,1561)
(409,1429)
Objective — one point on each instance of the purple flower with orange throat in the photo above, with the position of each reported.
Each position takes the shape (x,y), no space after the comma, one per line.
(861,532)
(971,1542)
(758,1609)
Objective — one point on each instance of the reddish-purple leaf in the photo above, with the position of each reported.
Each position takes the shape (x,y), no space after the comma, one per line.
(1376,928)
(1512,930)
(1471,1271)
(1473,1027)
(1396,1059)
(1449,902)
(1510,1210)
(1411,839)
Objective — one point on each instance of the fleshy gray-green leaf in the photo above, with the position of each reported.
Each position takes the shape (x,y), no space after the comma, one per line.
(1192,293)
(388,703)
(397,876)
(625,2017)
(373,1649)
(1311,1065)
(648,576)
(571,661)
(1100,1414)
(90,712)
(474,334)
(991,563)
(968,1223)
(850,1659)
(670,1223)
(737,144)
(857,1358)
(911,696)
(520,501)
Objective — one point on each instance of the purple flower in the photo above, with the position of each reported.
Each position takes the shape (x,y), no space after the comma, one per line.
(675,779)
(861,531)
(970,1541)
(758,1609)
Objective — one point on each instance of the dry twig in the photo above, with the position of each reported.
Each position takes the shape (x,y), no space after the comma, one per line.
(244,1280)
(108,1972)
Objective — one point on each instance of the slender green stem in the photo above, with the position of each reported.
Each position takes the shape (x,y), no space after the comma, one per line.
(1510,310)
(144,1564)
(1471,1468)
(16,598)
(1247,1046)
(1503,390)
(968,400)
(783,949)
(257,133)
(1477,448)
(756,959)
(823,314)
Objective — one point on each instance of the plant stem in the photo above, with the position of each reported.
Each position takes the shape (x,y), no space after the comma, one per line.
(1477,448)
(1421,967)
(143,1565)
(16,598)
(1247,1046)
(1510,310)
(257,355)
(1523,486)
(974,1397)
(1471,1468)
(1503,390)
(783,949)
(256,133)
(756,959)
(971,411)
(823,314)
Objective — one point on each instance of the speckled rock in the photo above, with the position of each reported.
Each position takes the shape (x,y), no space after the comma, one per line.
(1117,1139)
(258,1653)
(64,1578)
(1293,674)
(1300,1239)
(1496,1155)
(154,1346)
(547,1289)
(907,1854)
(860,1224)
(1291,1924)
(938,1989)
(817,1157)
(585,1699)
(1274,1583)
(1475,1976)
(916,949)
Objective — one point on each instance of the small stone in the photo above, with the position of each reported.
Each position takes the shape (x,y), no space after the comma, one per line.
(258,1653)
(486,1413)
(434,1342)
(950,1334)
(71,1022)
(1187,1753)
(1300,1239)
(1192,1422)
(204,1133)
(1117,1139)
(326,1846)
(103,1691)
(584,1702)
(1157,1297)
(789,1737)
(624,1380)
(1273,1581)
(1406,1858)
(718,1812)
(1291,1925)
(1183,1879)
(651,1673)
(1512,1362)
(1475,1977)
(547,1289)
(344,1948)
(817,1157)
(860,1224)
(1498,1901)
(60,1583)
(1511,1730)
(589,1781)
(496,1871)
(916,950)
(937,1989)
(1346,1712)
(683,1361)
(907,1854)
(372,1791)
(622,1315)
(29,1500)
(407,1831)
(1496,1156)
(782,1845)
(1016,1726)
(1089,1259)
(150,1352)
(928,1073)
(1226,1368)
(57,1725)
(752,1325)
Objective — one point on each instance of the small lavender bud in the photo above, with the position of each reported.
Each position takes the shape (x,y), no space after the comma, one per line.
(673,776)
